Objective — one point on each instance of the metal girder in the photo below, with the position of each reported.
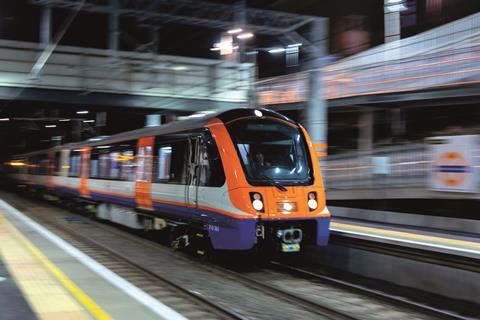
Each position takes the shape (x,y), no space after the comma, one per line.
(193,12)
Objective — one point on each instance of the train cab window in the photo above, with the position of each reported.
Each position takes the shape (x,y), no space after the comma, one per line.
(271,151)
(210,166)
(170,162)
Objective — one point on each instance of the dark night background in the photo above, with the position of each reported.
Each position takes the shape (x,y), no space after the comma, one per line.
(354,26)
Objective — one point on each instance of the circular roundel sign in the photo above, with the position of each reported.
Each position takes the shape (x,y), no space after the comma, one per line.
(451,169)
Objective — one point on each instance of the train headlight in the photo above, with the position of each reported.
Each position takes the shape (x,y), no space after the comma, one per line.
(312,201)
(257,201)
(257,205)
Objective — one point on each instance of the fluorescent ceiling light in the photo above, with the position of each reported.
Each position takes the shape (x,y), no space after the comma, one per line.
(179,68)
(245,35)
(235,31)
(276,50)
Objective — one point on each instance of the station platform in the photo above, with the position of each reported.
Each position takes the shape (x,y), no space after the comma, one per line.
(409,236)
(44,277)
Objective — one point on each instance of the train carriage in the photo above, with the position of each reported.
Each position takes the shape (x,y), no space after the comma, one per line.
(241,179)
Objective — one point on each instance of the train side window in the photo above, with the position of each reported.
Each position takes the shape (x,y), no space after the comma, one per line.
(74,164)
(127,165)
(164,161)
(114,162)
(57,169)
(170,162)
(210,166)
(94,165)
(42,165)
(178,172)
(114,166)
(104,166)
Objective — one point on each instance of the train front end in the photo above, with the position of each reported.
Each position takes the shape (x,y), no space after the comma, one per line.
(273,175)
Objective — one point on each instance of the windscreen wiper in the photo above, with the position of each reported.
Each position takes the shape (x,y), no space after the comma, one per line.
(277,184)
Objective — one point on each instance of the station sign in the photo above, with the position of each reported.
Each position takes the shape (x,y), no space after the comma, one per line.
(454,165)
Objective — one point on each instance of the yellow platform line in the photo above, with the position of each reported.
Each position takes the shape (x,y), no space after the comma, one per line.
(91,306)
(406,235)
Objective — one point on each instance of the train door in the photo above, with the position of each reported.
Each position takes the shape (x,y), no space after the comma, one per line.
(191,192)
(84,171)
(143,177)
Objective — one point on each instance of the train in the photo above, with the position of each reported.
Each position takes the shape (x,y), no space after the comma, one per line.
(239,180)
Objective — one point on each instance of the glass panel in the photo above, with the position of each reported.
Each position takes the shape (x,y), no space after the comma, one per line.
(210,165)
(127,165)
(141,161)
(271,150)
(164,162)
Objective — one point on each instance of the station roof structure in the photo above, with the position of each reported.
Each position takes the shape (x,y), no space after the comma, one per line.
(441,62)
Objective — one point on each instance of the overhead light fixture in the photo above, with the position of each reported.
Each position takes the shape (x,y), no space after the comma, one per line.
(394,1)
(276,50)
(4,119)
(88,121)
(246,35)
(179,68)
(82,112)
(51,126)
(64,120)
(235,31)
(215,49)
(294,45)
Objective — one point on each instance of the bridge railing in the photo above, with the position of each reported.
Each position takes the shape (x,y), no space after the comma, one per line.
(399,166)
(133,73)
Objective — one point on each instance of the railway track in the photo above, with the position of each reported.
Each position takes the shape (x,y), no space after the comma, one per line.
(389,298)
(208,291)
(189,303)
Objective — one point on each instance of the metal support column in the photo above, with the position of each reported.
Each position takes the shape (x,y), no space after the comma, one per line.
(315,114)
(46,26)
(113,29)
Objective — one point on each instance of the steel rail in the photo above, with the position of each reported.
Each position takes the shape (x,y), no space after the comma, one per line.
(393,299)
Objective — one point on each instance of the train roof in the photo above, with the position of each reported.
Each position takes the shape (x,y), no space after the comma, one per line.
(172,127)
